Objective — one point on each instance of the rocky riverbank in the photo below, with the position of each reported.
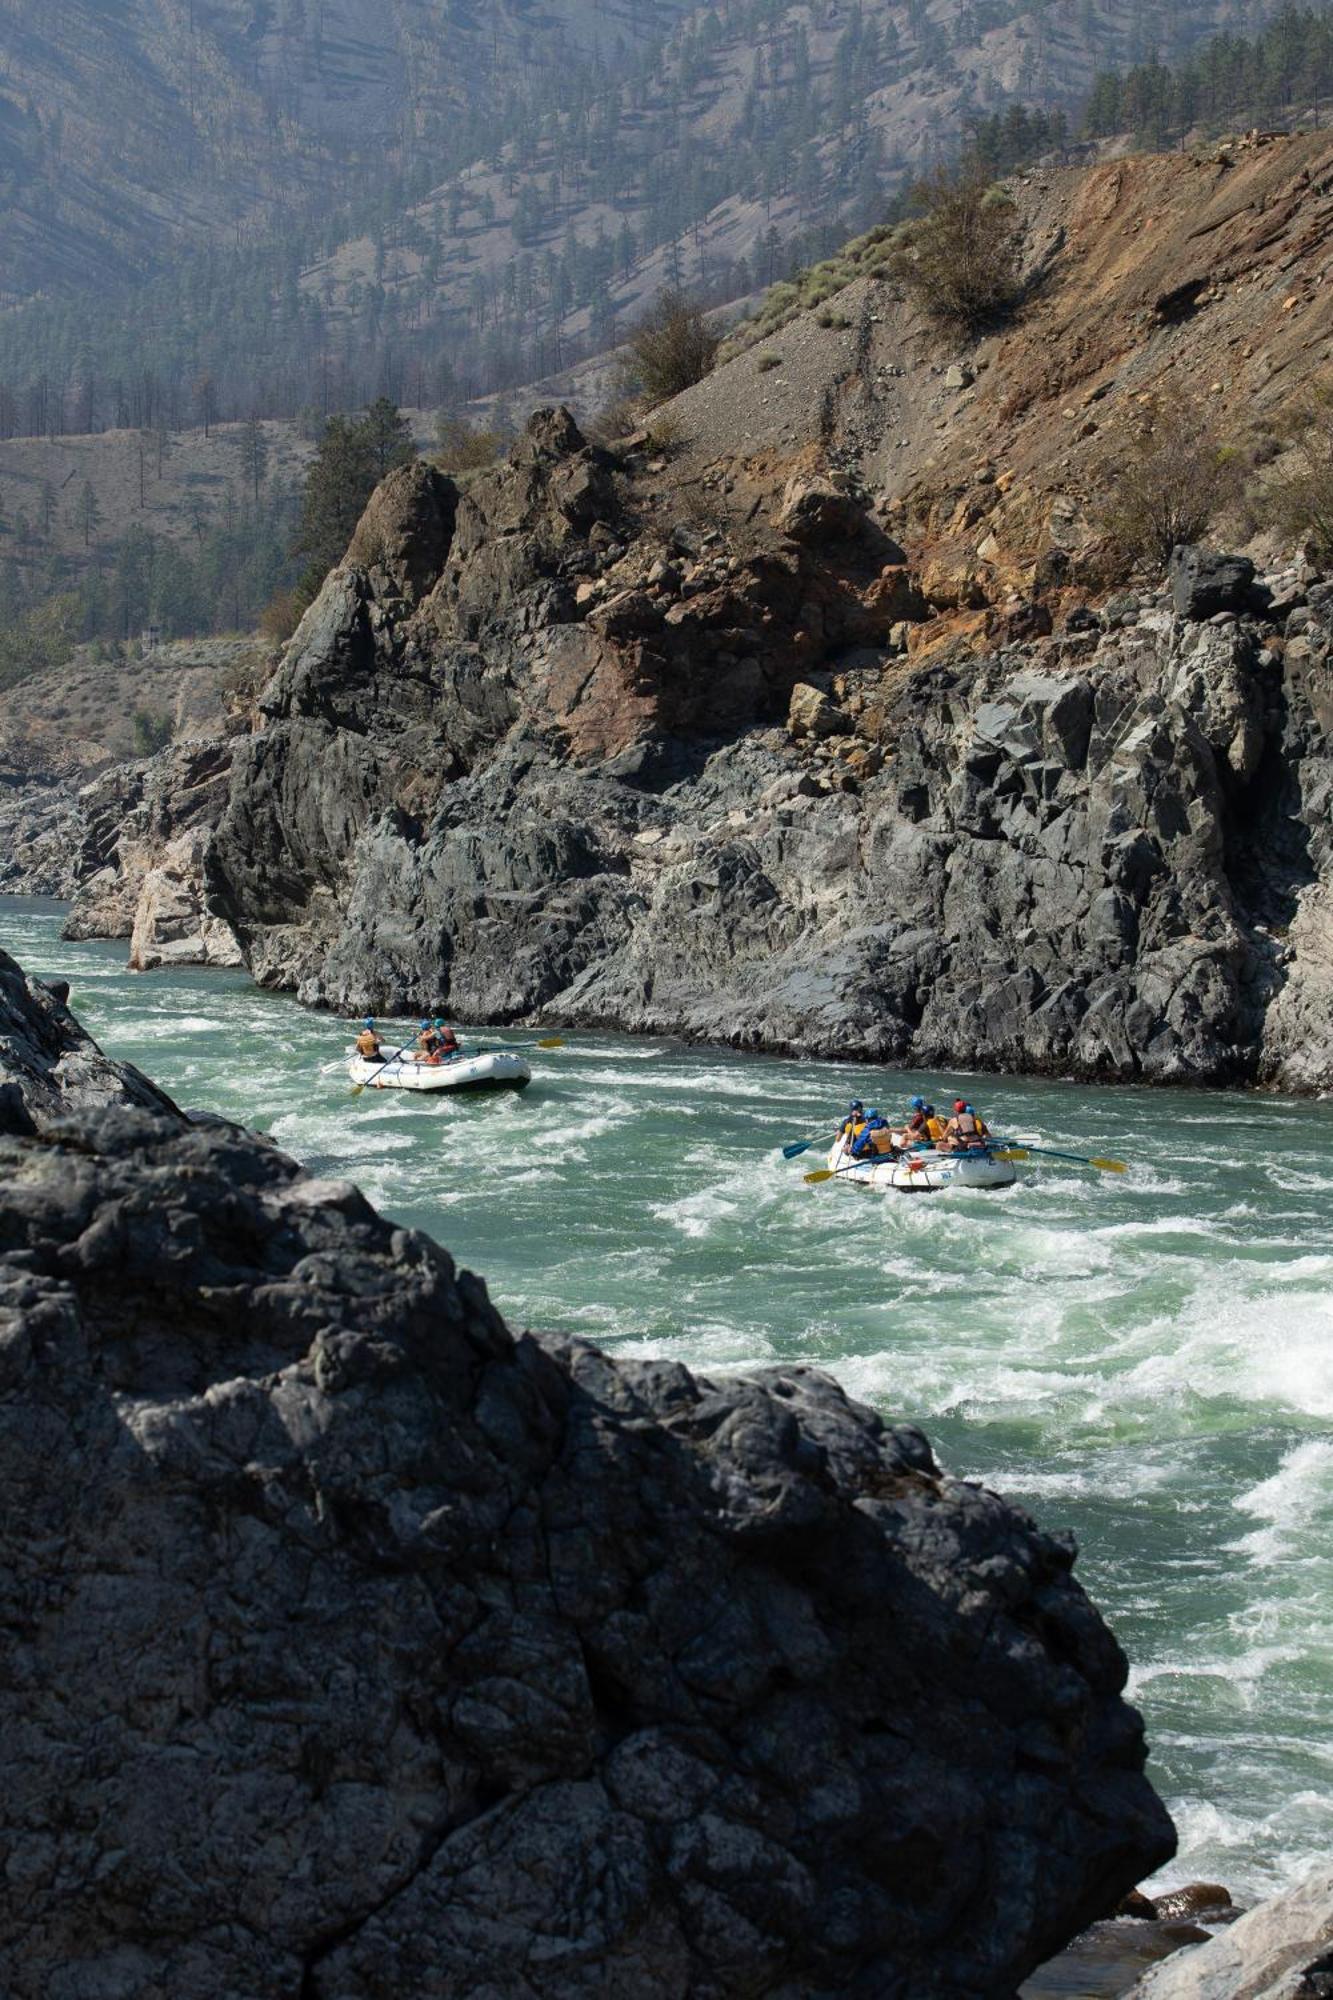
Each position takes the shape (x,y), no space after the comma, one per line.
(539,753)
(360,1646)
(90,816)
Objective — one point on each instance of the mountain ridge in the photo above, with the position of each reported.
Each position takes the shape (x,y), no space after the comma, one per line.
(505,238)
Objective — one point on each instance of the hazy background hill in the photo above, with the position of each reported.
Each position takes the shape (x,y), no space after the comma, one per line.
(222,221)
(229,207)
(128,130)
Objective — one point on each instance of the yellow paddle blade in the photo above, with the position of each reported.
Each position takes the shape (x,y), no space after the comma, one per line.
(1110,1166)
(824,1174)
(554,1042)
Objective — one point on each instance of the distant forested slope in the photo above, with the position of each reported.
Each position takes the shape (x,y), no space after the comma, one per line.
(238,206)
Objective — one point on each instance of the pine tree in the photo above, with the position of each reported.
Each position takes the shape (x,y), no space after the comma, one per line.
(206,400)
(90,514)
(252,446)
(388,436)
(353,456)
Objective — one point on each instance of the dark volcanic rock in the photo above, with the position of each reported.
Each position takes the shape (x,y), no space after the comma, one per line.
(1204,583)
(357,1649)
(50,1069)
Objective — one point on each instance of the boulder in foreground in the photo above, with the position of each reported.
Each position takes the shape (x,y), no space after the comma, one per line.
(358,1649)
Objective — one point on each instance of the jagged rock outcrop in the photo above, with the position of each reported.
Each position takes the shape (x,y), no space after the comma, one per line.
(559,769)
(50,1070)
(40,832)
(1281,1950)
(140,865)
(355,1646)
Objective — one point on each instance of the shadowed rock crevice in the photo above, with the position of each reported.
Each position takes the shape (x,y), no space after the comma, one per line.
(359,1650)
(487,1799)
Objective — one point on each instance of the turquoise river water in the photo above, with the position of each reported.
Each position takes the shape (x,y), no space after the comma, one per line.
(1147,1360)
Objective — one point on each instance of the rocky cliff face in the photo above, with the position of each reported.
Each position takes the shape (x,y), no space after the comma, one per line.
(139,863)
(40,831)
(50,1070)
(358,1647)
(85,818)
(546,748)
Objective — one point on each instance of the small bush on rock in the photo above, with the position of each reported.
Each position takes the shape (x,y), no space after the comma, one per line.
(1297,497)
(961,260)
(280,616)
(458,448)
(1172,479)
(151,732)
(671,348)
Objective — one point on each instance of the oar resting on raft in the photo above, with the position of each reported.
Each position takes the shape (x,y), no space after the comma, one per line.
(1011,1149)
(899,1159)
(515,1048)
(1002,1149)
(357,1088)
(832,1173)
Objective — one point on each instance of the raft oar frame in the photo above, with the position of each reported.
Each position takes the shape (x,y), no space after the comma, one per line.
(1007,1149)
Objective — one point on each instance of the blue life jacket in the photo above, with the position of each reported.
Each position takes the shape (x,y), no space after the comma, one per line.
(861,1145)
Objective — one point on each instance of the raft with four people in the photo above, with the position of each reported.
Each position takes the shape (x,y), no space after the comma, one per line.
(930,1172)
(435,1061)
(928,1154)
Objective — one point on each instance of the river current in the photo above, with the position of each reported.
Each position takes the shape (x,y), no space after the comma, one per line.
(1145,1359)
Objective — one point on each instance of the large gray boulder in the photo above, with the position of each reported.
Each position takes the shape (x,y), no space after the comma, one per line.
(1281,1950)
(141,869)
(357,1648)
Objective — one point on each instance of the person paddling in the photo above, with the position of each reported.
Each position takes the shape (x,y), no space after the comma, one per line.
(852,1126)
(368,1043)
(875,1140)
(446,1041)
(965,1132)
(426,1042)
(924,1125)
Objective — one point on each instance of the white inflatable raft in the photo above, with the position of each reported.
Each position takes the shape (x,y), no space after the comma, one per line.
(500,1069)
(925,1173)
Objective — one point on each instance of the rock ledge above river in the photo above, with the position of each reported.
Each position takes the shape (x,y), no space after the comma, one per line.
(536,753)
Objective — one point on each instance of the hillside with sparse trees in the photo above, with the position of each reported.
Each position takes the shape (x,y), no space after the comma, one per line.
(265,209)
